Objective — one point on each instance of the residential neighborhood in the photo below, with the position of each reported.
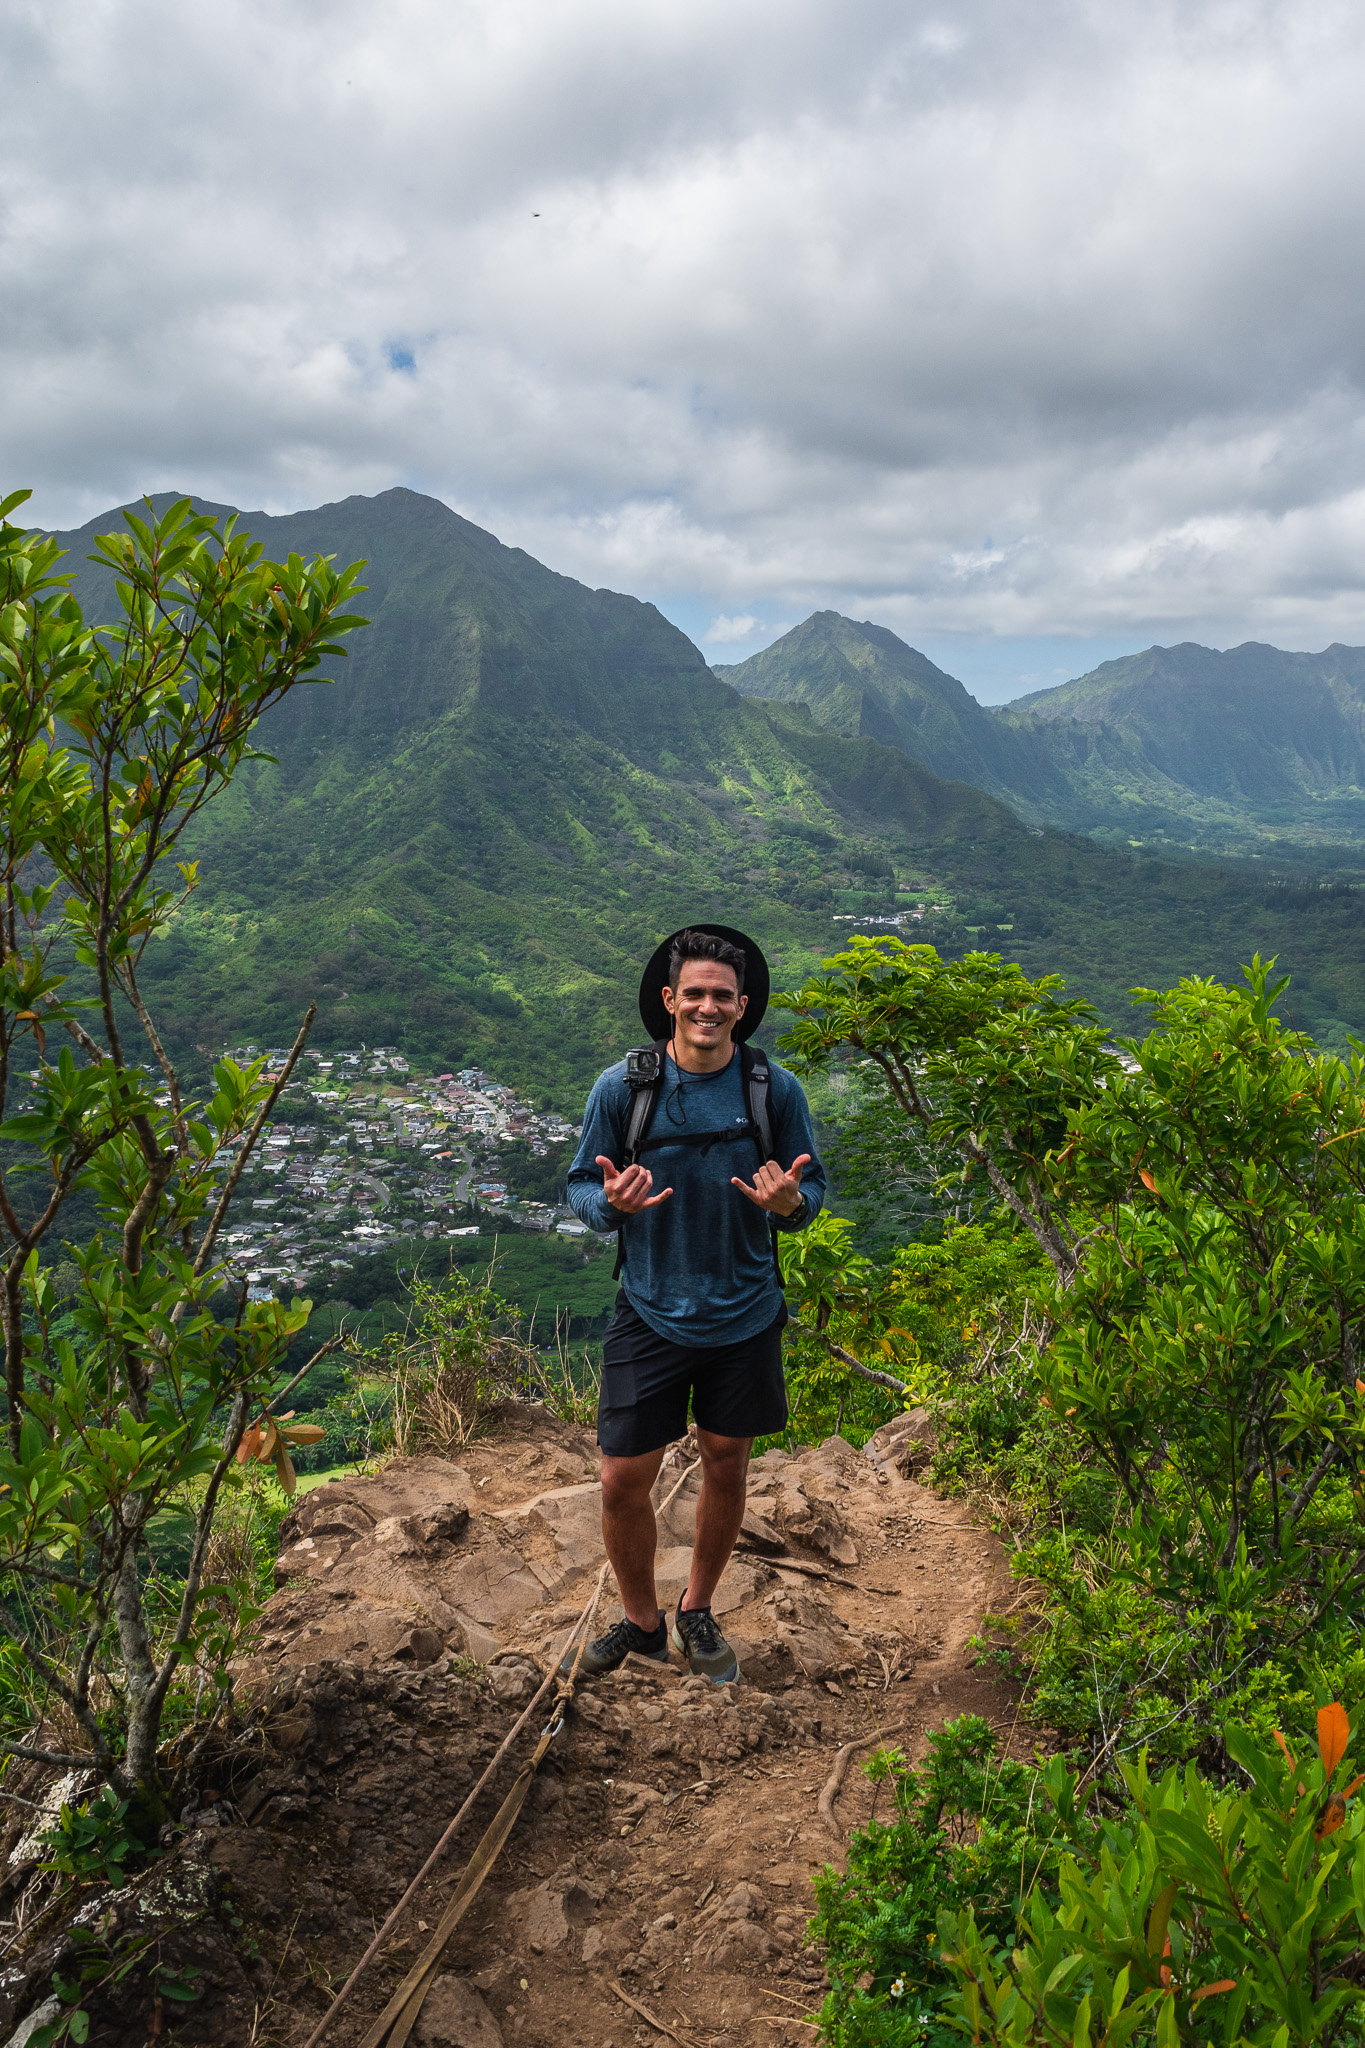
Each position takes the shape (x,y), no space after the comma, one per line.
(364,1150)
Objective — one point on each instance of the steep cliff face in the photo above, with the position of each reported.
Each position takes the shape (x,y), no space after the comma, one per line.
(1183,743)
(861,679)
(1255,722)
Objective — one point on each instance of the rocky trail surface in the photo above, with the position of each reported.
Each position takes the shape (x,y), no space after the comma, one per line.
(667,1846)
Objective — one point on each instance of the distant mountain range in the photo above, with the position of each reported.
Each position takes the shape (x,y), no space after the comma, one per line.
(1249,750)
(472,837)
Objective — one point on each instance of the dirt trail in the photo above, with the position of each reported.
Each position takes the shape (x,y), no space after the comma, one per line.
(669,1841)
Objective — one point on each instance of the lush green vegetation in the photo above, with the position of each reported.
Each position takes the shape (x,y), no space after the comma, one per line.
(1027,1907)
(1142,1355)
(126,1395)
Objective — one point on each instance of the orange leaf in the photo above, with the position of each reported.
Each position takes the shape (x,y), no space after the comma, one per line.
(1331,1818)
(1207,1990)
(250,1444)
(1334,1735)
(1360,1388)
(1147,1179)
(303,1433)
(1284,1746)
(1354,1786)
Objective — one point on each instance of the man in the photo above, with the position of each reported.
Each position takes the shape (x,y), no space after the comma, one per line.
(700,1311)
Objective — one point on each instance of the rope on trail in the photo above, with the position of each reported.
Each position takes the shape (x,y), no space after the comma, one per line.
(834,1782)
(661,2026)
(396,2021)
(674,1491)
(406,2003)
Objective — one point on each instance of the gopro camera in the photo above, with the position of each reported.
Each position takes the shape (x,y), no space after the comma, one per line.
(642,1067)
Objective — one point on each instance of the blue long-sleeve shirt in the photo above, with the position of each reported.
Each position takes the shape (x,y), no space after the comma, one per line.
(699,1268)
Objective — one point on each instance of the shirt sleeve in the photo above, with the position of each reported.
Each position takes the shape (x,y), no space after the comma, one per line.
(600,1135)
(793,1134)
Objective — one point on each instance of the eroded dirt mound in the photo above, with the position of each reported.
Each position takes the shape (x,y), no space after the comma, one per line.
(668,1843)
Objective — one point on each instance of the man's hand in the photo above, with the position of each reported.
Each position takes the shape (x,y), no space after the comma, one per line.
(773,1189)
(628,1191)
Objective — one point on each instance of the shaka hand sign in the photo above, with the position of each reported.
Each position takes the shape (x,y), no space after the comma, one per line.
(773,1189)
(628,1190)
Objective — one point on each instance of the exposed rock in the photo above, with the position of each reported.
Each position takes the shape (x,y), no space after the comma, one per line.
(454,2016)
(808,1514)
(905,1444)
(513,1678)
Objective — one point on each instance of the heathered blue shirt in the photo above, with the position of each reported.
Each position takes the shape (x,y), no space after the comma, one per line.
(699,1268)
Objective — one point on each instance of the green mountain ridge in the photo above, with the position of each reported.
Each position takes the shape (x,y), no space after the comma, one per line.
(470,839)
(1250,750)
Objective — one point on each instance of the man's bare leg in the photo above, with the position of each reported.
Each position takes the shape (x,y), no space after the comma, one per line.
(720,1511)
(629,1532)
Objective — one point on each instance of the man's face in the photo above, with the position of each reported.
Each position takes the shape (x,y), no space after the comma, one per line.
(705,1006)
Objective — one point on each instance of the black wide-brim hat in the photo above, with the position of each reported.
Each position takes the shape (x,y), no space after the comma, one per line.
(655,1017)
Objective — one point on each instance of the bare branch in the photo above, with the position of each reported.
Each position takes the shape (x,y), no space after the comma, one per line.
(194,1571)
(239,1165)
(93,1052)
(59,1757)
(172,1079)
(1312,1483)
(38,1664)
(867,1372)
(332,1344)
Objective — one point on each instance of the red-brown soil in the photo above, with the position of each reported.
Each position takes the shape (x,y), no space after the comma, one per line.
(668,1843)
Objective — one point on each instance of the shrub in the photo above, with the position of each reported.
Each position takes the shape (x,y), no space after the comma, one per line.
(1199,1913)
(969,1830)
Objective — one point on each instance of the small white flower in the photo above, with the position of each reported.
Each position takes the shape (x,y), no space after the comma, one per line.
(898,1988)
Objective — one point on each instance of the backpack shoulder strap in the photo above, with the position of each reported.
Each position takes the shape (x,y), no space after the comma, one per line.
(644,1078)
(756,1075)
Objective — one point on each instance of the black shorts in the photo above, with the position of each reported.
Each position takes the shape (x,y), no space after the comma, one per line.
(736,1389)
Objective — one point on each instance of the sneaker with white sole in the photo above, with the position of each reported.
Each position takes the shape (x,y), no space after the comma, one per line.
(607,1651)
(708,1654)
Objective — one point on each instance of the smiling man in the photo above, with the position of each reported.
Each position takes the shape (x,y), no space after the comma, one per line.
(700,1313)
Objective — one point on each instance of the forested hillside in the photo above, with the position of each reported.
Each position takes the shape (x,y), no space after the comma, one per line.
(469,839)
(1250,751)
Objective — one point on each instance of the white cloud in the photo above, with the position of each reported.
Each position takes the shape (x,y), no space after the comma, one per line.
(771,300)
(726,631)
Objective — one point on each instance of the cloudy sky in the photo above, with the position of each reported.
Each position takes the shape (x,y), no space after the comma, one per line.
(1031,331)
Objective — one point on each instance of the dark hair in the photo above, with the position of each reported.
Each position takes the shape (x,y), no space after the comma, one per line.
(691,945)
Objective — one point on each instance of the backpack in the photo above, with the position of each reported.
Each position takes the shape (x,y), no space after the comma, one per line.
(644,1078)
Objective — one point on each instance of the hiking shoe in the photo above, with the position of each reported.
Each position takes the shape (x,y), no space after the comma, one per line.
(606,1652)
(705,1648)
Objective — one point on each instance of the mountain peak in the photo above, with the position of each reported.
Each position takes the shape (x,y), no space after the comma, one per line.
(859,678)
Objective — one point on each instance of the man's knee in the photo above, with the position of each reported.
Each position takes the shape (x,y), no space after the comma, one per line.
(725,1461)
(627,1482)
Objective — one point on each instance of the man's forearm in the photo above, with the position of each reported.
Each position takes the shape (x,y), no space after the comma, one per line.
(591,1206)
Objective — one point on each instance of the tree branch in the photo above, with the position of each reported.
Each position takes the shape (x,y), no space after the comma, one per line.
(1312,1483)
(239,1165)
(867,1372)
